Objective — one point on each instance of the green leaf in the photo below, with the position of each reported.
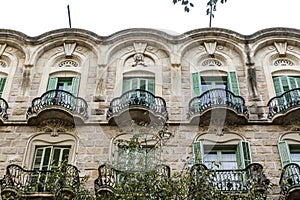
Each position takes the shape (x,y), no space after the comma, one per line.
(186,9)
(184,2)
(207,11)
(175,1)
(192,5)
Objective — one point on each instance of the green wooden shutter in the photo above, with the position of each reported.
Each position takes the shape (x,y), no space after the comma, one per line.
(52,83)
(75,85)
(233,84)
(243,154)
(292,82)
(284,152)
(198,152)
(297,79)
(196,78)
(2,84)
(151,85)
(277,85)
(126,85)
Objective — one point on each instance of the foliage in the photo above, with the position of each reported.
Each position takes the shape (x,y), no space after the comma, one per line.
(184,185)
(211,4)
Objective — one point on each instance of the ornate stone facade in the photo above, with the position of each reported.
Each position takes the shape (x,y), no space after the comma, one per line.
(104,63)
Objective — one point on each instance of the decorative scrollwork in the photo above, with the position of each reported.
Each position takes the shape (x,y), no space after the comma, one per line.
(283,62)
(211,62)
(3,64)
(68,63)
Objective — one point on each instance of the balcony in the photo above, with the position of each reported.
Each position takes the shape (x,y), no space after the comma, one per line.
(109,178)
(19,183)
(3,110)
(285,108)
(58,104)
(290,182)
(217,105)
(237,183)
(139,106)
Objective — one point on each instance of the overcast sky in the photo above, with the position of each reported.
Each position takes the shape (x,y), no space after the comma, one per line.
(104,17)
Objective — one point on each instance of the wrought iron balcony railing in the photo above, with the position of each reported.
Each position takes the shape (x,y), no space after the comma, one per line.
(138,97)
(217,97)
(61,98)
(283,102)
(3,109)
(18,181)
(109,177)
(235,181)
(290,178)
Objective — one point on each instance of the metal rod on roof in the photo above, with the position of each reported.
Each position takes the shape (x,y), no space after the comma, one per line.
(69,16)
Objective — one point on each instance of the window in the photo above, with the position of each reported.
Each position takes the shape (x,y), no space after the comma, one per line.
(204,83)
(2,84)
(147,84)
(285,83)
(69,84)
(218,158)
(223,156)
(47,156)
(136,159)
(289,153)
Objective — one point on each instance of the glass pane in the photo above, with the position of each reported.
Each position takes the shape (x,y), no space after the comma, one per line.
(38,159)
(46,161)
(228,156)
(211,160)
(295,156)
(143,84)
(65,155)
(229,165)
(229,160)
(56,156)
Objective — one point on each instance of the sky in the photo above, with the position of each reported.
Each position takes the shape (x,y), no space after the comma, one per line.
(105,17)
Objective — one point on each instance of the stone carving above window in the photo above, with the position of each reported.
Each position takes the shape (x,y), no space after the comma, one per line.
(3,64)
(211,62)
(138,58)
(2,48)
(54,127)
(69,48)
(283,62)
(68,63)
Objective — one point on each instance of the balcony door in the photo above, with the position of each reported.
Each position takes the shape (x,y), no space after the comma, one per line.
(147,84)
(285,83)
(46,157)
(69,84)
(204,83)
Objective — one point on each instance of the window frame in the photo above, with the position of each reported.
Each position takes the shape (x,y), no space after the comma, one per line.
(128,84)
(243,152)
(51,162)
(45,139)
(231,82)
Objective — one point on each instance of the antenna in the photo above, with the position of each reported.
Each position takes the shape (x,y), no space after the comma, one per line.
(69,16)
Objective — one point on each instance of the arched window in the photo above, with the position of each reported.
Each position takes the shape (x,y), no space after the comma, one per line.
(230,153)
(51,146)
(289,148)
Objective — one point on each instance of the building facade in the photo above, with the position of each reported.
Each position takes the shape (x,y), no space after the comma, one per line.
(225,98)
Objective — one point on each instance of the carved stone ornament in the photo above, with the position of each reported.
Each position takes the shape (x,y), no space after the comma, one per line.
(68,63)
(211,62)
(69,48)
(281,48)
(2,48)
(3,64)
(55,126)
(283,62)
(210,47)
(138,58)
